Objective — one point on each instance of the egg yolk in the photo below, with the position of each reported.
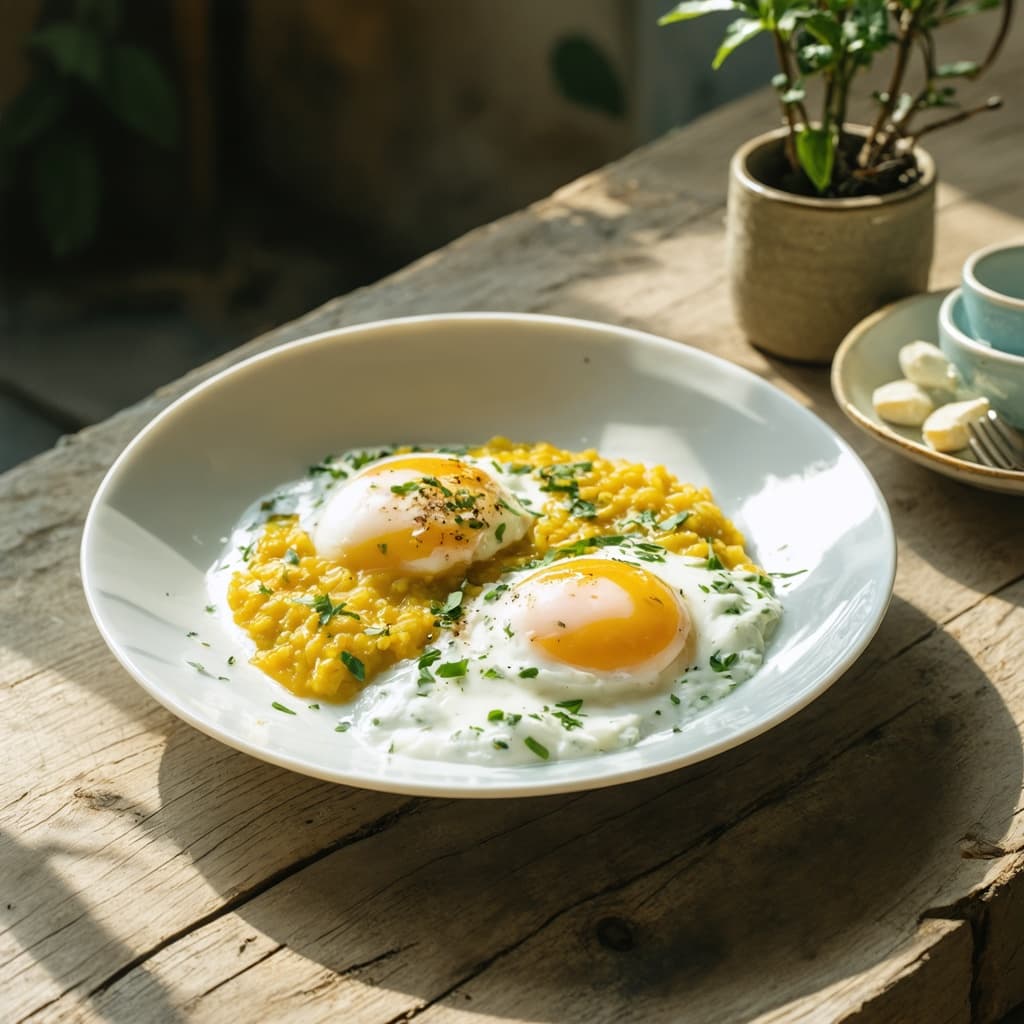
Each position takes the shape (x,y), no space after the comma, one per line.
(602,615)
(415,514)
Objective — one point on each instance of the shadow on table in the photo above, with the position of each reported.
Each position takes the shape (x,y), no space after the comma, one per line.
(31,868)
(721,891)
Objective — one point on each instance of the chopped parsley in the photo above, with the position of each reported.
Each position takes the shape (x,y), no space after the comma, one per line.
(284,709)
(264,589)
(428,657)
(453,669)
(326,609)
(505,505)
(377,631)
(291,556)
(197,666)
(432,481)
(713,562)
(493,595)
(406,488)
(538,748)
(674,521)
(528,673)
(499,745)
(314,707)
(354,665)
(495,716)
(568,721)
(492,673)
(382,548)
(645,519)
(787,575)
(720,664)
(343,727)
(210,609)
(518,468)
(449,612)
(672,697)
(499,533)
(572,706)
(231,660)
(326,465)
(191,633)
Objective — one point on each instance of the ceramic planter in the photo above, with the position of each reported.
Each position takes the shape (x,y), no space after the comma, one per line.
(804,271)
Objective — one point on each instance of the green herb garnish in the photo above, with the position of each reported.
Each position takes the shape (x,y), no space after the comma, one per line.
(674,521)
(499,533)
(453,669)
(572,706)
(538,748)
(406,488)
(713,562)
(291,556)
(495,716)
(354,665)
(528,673)
(719,664)
(282,708)
(326,609)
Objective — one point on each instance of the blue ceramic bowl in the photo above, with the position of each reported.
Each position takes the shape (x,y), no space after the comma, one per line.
(993,286)
(997,375)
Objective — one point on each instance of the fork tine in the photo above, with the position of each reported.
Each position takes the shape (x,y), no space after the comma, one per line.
(982,452)
(992,446)
(1009,435)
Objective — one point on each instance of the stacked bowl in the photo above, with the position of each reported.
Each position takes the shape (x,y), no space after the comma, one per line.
(981,328)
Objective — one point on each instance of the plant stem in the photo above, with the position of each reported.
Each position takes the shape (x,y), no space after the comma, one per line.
(992,103)
(787,108)
(871,148)
(997,43)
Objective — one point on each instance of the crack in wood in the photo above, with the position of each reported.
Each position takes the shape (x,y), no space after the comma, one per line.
(239,973)
(373,828)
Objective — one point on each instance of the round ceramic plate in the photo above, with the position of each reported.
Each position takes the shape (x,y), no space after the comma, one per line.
(868,357)
(802,498)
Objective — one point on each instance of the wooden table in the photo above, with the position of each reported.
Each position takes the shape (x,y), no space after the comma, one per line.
(862,860)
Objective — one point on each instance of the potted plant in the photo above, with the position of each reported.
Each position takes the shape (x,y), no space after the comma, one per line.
(828,219)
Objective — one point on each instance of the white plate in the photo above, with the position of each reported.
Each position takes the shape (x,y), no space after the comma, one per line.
(803,499)
(868,358)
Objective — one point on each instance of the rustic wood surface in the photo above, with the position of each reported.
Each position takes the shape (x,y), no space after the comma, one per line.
(863,860)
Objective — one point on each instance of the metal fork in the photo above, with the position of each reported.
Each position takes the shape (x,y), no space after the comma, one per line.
(995,444)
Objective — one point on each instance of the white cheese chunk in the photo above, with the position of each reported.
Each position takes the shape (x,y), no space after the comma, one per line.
(924,364)
(946,429)
(902,402)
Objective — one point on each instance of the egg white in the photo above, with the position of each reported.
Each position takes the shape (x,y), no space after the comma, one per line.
(423,714)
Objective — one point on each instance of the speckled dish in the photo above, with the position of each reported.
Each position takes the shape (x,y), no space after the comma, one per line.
(868,357)
(803,499)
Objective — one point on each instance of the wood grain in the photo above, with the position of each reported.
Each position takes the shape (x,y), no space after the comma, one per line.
(863,860)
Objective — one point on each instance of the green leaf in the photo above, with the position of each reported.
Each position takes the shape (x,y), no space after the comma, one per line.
(585,76)
(814,57)
(32,112)
(815,149)
(73,50)
(696,9)
(66,191)
(140,94)
(740,31)
(958,69)
(796,94)
(825,29)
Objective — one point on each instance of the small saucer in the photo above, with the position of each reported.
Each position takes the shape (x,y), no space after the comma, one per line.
(868,358)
